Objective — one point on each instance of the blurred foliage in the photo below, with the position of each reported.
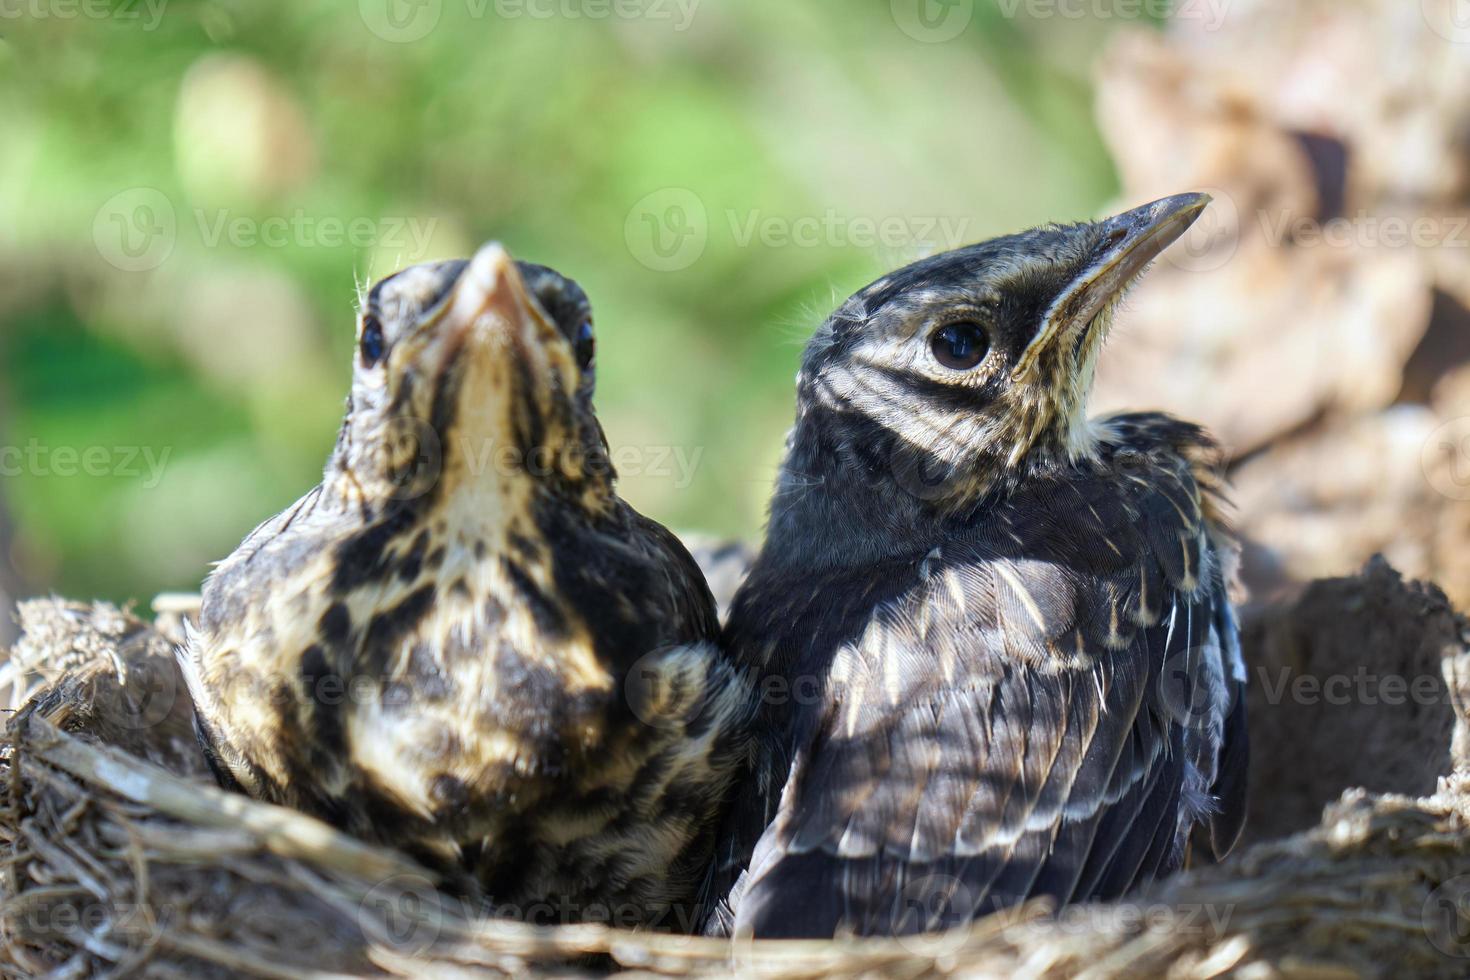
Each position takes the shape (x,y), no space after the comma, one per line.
(228,357)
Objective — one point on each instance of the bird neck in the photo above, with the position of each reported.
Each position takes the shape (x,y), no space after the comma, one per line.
(411,469)
(851,491)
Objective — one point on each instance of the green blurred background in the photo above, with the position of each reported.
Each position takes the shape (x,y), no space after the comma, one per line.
(192,192)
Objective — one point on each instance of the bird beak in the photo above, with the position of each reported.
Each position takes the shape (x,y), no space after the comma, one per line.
(490,292)
(487,305)
(1126,245)
(492,314)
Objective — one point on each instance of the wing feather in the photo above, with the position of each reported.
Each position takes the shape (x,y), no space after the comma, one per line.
(998,722)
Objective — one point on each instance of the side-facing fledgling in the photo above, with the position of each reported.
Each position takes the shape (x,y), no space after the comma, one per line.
(462,642)
(994,636)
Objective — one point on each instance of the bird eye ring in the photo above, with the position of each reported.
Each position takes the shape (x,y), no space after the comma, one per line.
(960,346)
(586,346)
(371,343)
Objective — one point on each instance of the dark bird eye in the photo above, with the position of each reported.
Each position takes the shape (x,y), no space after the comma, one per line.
(960,346)
(372,341)
(586,345)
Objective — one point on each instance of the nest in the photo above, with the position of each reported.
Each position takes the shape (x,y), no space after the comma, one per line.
(121,857)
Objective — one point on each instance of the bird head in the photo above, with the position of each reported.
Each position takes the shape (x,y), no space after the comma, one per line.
(954,373)
(476,376)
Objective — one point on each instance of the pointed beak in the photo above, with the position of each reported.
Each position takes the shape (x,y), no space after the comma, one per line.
(490,293)
(491,314)
(497,339)
(1126,245)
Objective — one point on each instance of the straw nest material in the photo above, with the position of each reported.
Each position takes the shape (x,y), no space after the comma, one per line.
(121,857)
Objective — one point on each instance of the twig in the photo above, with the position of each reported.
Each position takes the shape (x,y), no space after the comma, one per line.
(283,832)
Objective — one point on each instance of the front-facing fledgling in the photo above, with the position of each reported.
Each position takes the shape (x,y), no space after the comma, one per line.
(994,638)
(462,642)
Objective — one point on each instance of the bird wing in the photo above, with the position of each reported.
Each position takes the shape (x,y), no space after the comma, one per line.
(1013,727)
(691,607)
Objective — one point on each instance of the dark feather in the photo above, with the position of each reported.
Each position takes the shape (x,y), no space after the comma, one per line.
(1036,706)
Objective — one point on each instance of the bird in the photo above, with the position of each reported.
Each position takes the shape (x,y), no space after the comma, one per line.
(462,643)
(994,638)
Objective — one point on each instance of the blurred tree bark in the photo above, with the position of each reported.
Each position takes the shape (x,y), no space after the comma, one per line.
(1318,319)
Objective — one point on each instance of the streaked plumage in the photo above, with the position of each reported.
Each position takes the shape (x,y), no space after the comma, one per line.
(463,643)
(1001,632)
